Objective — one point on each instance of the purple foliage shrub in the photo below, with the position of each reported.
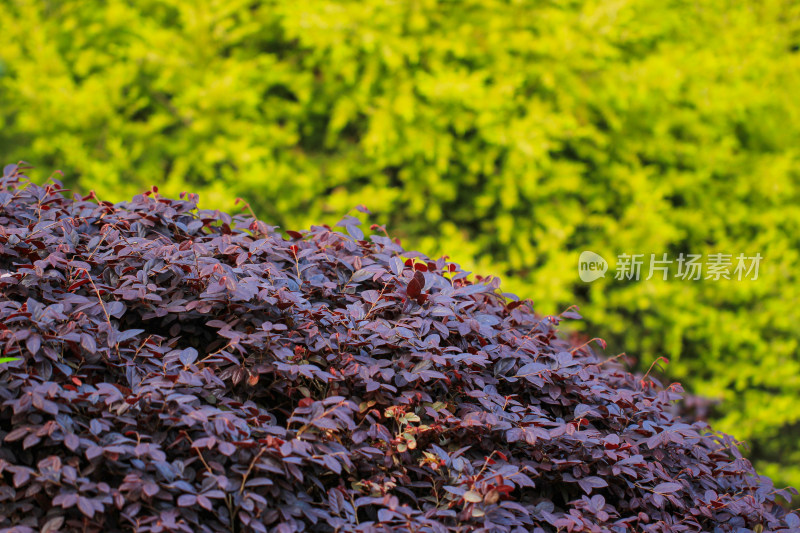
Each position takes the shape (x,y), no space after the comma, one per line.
(185,370)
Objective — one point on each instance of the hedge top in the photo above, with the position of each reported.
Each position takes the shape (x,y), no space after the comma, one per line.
(185,370)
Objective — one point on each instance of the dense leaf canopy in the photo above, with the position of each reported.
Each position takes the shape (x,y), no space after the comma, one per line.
(525,132)
(185,370)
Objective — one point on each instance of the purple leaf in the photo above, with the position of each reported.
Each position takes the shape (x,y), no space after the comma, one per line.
(188,356)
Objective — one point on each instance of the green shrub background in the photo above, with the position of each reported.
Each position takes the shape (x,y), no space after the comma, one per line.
(511,135)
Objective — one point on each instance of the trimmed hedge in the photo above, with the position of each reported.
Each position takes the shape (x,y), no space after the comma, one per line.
(185,370)
(517,134)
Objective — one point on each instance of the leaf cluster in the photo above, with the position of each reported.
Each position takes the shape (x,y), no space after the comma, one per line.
(185,370)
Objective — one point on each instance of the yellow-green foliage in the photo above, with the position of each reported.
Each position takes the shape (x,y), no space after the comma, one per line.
(511,135)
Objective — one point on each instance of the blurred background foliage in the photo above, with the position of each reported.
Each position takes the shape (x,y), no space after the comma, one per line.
(510,135)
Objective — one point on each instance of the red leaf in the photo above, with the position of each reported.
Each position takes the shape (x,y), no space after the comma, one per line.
(77,284)
(415,285)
